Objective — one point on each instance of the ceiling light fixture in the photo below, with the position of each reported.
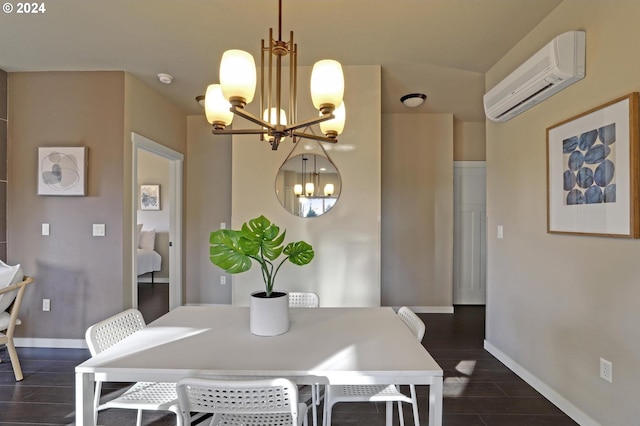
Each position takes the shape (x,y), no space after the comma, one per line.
(238,84)
(413,100)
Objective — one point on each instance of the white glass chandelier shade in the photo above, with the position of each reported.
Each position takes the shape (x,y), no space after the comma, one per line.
(332,128)
(327,85)
(216,107)
(238,77)
(309,189)
(297,189)
(328,189)
(273,119)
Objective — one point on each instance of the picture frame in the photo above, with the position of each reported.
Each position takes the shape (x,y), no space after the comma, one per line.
(592,172)
(62,171)
(149,197)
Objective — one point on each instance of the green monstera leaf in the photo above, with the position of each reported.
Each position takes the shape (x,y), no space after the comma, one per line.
(259,240)
(225,251)
(261,236)
(300,253)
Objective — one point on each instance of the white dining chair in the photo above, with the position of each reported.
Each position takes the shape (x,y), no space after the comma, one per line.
(271,402)
(378,393)
(301,299)
(142,395)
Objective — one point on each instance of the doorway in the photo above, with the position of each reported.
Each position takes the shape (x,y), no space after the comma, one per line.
(470,233)
(173,200)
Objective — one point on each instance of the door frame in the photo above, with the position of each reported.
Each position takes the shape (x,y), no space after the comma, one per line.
(176,160)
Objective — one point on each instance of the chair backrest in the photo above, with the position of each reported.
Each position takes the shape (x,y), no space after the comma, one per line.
(412,321)
(303,300)
(110,331)
(250,397)
(15,309)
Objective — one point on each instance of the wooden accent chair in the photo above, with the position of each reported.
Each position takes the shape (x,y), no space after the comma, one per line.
(9,320)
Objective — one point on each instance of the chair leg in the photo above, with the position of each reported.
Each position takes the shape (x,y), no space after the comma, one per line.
(15,362)
(326,417)
(139,418)
(314,405)
(389,412)
(400,413)
(414,405)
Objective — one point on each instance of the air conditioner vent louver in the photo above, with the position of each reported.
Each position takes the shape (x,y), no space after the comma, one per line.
(557,65)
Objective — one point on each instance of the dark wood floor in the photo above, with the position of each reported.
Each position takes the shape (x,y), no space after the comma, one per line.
(478,389)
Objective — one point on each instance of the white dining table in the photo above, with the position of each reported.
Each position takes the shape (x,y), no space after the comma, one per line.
(323,345)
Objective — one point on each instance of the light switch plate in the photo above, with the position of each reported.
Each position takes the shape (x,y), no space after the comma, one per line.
(45,229)
(98,230)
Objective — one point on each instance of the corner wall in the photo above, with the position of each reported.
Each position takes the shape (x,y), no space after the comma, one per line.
(557,303)
(80,273)
(417,210)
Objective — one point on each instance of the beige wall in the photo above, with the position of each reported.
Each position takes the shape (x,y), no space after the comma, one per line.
(557,303)
(417,209)
(87,278)
(81,274)
(208,192)
(148,114)
(469,141)
(346,269)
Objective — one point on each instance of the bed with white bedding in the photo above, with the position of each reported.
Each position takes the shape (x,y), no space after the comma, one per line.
(149,260)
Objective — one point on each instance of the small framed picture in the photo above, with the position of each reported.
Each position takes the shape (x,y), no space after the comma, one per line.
(593,172)
(62,171)
(149,197)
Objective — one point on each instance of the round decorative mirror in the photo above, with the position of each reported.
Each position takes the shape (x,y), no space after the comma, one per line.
(308,185)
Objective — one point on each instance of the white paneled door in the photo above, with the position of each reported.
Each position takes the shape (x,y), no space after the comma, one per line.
(470,233)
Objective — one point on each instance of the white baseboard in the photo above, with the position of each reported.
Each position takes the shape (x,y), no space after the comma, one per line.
(28,342)
(429,309)
(556,399)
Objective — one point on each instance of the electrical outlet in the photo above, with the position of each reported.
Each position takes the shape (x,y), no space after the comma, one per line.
(46,305)
(606,370)
(223,280)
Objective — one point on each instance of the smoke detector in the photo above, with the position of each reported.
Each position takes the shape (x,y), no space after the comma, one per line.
(165,78)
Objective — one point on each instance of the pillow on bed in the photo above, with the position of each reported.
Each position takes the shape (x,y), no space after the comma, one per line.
(147,239)
(9,275)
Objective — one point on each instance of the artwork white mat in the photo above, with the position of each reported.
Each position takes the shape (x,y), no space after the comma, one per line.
(62,171)
(581,198)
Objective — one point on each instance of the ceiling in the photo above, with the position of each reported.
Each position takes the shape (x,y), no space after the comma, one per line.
(439,47)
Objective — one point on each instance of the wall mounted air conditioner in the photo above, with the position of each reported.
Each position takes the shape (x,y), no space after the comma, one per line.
(554,67)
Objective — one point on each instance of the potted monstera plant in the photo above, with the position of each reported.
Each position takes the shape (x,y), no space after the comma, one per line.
(260,242)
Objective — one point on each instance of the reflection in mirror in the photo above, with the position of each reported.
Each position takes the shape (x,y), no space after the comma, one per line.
(308,185)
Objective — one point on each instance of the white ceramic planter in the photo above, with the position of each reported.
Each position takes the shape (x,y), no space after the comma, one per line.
(269,316)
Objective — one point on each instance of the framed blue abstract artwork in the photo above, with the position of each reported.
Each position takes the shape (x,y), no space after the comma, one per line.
(592,172)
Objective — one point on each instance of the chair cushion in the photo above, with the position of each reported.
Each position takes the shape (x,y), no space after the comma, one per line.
(4,320)
(9,275)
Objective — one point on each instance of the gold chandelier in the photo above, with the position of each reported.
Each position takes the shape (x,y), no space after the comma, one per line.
(238,84)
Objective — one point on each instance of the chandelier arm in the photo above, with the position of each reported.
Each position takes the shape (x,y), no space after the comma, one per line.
(310,122)
(314,137)
(239,131)
(248,116)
